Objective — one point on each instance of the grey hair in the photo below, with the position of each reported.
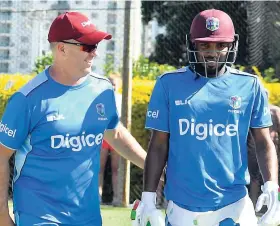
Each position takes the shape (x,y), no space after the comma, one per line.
(53,45)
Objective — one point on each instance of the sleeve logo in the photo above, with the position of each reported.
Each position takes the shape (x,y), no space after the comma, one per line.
(5,129)
(153,114)
(100,108)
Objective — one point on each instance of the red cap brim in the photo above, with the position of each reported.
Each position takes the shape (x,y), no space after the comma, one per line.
(94,37)
(213,39)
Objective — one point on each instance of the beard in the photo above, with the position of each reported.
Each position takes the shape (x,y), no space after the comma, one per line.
(210,71)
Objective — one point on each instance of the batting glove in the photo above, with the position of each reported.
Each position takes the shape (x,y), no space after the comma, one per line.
(145,213)
(271,198)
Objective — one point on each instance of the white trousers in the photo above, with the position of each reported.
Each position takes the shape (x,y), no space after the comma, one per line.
(241,212)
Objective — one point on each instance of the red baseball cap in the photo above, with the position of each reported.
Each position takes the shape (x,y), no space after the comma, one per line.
(74,25)
(212,26)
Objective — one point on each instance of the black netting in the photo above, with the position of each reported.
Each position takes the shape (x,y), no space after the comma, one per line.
(257,23)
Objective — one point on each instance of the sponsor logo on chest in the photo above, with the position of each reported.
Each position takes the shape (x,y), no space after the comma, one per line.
(202,130)
(76,143)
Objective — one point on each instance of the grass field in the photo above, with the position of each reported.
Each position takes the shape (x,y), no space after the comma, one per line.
(112,216)
(116,216)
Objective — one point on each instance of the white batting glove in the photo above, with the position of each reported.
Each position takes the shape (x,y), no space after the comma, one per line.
(145,213)
(271,198)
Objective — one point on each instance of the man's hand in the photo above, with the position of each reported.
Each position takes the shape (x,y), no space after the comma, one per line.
(271,198)
(145,213)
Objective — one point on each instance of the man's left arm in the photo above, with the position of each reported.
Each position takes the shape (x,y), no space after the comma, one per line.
(268,164)
(267,157)
(266,154)
(126,145)
(275,129)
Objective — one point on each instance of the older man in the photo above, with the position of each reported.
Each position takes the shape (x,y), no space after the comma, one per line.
(55,125)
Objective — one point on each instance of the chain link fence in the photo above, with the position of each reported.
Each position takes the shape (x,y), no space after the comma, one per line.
(24,26)
(256,22)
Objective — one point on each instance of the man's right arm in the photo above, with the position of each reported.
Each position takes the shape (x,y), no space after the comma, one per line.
(15,124)
(5,155)
(156,160)
(146,212)
(157,120)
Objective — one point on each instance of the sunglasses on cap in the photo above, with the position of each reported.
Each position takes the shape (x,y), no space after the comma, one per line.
(84,47)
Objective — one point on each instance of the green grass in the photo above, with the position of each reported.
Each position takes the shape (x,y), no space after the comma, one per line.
(115,216)
(110,215)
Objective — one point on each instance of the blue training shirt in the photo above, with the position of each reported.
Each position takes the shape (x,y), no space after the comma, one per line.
(208,120)
(57,132)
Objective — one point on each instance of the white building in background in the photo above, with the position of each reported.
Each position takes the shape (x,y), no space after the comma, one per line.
(150,32)
(24,29)
(5,35)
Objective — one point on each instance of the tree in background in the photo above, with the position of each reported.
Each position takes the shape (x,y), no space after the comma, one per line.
(109,67)
(42,62)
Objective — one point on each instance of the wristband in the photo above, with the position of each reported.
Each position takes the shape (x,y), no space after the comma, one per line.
(134,208)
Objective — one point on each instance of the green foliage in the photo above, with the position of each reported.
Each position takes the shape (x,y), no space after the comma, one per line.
(109,65)
(270,76)
(274,94)
(144,69)
(9,84)
(141,92)
(42,62)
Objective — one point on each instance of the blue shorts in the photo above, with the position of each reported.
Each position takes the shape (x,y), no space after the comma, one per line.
(22,219)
